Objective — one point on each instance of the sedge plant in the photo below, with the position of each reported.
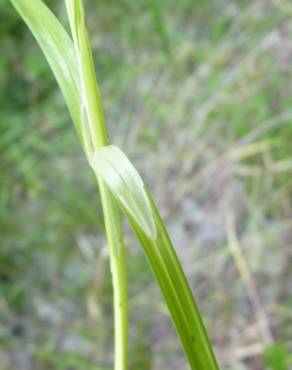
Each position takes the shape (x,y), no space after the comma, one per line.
(120,185)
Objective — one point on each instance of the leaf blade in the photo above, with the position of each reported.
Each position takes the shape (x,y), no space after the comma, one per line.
(117,172)
(59,52)
(89,89)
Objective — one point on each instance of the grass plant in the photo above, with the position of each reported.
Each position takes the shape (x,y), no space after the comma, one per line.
(120,185)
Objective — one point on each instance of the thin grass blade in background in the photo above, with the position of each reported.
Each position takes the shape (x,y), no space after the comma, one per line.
(160,26)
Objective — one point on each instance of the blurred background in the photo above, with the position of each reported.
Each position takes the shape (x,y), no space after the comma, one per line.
(199,95)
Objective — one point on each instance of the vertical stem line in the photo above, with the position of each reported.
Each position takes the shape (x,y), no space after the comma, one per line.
(119,275)
(91,100)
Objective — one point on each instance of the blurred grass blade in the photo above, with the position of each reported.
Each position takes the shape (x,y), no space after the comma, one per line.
(161,29)
(59,51)
(111,164)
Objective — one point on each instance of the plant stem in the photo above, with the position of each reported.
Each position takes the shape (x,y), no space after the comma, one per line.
(99,137)
(119,275)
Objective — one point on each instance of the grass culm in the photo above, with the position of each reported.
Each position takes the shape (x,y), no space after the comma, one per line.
(121,187)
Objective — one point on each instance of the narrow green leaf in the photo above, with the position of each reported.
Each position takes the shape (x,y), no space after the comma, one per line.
(111,164)
(161,28)
(59,51)
(90,93)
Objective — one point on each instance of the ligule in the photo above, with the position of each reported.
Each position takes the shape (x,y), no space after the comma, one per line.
(126,184)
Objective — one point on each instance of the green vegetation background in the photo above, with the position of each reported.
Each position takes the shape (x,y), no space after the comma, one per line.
(185,84)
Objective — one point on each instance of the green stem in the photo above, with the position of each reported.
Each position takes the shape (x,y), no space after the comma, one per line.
(99,137)
(119,275)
